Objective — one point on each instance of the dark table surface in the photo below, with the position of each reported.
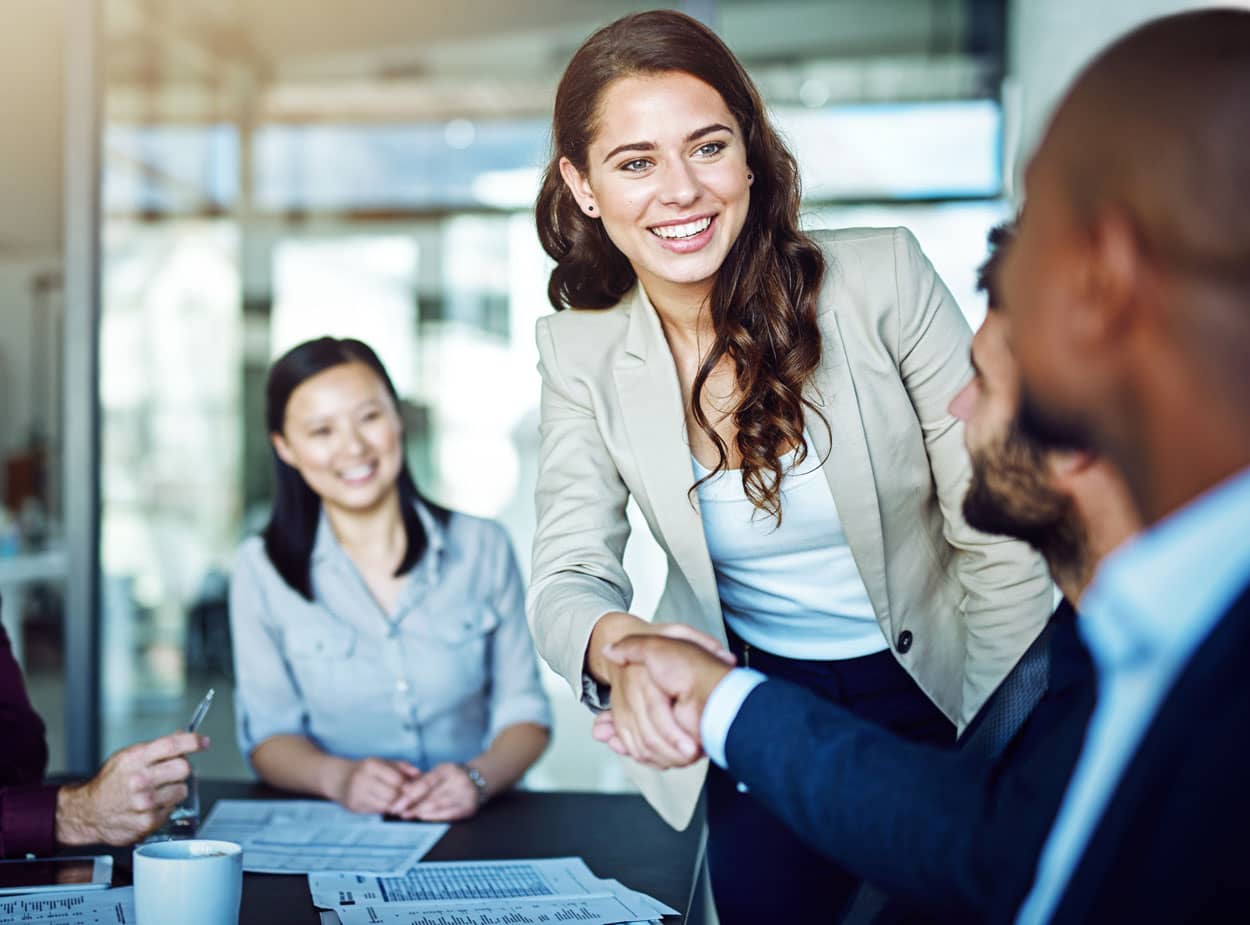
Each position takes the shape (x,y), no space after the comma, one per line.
(618,836)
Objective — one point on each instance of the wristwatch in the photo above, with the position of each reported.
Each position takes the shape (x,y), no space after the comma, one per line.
(478,781)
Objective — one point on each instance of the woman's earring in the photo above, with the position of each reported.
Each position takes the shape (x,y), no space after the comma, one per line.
(590,207)
(750,178)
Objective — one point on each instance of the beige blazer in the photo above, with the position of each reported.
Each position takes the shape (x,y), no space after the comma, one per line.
(895,351)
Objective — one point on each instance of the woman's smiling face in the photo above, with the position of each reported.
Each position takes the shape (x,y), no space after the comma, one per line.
(667,175)
(343,434)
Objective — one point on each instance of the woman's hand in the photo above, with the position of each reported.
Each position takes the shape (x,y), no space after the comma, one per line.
(372,785)
(642,722)
(443,794)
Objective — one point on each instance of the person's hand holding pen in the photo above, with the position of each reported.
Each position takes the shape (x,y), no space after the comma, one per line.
(135,791)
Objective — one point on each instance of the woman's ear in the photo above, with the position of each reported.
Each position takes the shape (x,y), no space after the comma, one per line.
(579,186)
(283,449)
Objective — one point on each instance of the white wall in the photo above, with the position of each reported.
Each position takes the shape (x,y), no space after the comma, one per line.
(32,89)
(1050,41)
(32,64)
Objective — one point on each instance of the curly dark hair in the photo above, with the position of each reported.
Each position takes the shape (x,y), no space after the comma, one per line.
(764,300)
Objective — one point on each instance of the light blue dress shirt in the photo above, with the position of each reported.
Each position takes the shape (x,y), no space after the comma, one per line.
(1149,609)
(722,708)
(434,681)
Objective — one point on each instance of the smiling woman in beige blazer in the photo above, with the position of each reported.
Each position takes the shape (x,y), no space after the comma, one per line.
(702,323)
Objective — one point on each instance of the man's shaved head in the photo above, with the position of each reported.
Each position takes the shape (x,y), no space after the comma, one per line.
(1158,125)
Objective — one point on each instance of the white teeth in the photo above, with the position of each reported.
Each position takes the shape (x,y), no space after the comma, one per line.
(688,230)
(359,472)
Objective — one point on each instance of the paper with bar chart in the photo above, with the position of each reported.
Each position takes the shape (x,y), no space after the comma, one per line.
(89,907)
(484,893)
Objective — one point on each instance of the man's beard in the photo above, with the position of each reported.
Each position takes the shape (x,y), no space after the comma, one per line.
(1046,430)
(1010,495)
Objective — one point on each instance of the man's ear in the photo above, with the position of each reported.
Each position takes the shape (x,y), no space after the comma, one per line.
(579,186)
(1114,275)
(1066,465)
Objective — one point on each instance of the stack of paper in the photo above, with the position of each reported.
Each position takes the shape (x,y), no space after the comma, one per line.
(483,893)
(302,836)
(88,907)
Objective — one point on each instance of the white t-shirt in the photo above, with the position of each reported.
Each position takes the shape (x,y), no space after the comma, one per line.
(792,590)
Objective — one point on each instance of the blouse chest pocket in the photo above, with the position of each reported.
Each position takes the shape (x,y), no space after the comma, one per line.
(451,651)
(464,626)
(320,656)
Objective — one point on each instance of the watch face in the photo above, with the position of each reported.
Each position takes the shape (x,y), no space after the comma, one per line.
(478,780)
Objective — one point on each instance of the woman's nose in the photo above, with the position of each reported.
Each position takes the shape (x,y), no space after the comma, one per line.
(679,184)
(352,442)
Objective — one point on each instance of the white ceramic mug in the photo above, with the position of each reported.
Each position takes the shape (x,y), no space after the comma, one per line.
(191,882)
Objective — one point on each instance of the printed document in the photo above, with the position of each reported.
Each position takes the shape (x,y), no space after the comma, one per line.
(590,910)
(303,836)
(90,907)
(481,892)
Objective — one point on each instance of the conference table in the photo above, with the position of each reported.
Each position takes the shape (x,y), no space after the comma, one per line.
(618,836)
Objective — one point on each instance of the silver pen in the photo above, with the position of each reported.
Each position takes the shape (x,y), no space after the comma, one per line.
(200,712)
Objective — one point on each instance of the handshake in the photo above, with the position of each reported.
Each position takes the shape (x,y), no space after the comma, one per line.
(661,678)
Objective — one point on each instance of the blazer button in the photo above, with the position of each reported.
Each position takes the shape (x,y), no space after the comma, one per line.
(904,642)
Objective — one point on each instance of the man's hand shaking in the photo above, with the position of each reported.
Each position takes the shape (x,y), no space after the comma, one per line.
(686,673)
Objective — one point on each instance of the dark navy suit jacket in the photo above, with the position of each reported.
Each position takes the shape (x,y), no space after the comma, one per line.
(1174,842)
(943,830)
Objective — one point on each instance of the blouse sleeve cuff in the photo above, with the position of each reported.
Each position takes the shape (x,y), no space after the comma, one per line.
(530,708)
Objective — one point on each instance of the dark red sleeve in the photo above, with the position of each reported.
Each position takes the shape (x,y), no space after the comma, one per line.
(27,808)
(27,820)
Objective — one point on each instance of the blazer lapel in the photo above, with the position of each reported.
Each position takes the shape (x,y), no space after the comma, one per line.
(650,396)
(847,465)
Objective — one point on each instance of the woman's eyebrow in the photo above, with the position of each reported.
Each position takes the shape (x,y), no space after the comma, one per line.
(651,145)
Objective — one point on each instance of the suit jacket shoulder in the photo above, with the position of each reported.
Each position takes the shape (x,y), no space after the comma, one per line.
(585,341)
(862,270)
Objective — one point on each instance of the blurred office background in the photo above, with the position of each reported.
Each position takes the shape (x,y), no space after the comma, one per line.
(190,187)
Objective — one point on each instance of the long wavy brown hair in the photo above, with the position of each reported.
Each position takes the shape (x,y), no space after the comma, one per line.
(763,302)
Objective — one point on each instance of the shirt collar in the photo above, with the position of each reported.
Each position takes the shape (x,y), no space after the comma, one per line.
(1161,592)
